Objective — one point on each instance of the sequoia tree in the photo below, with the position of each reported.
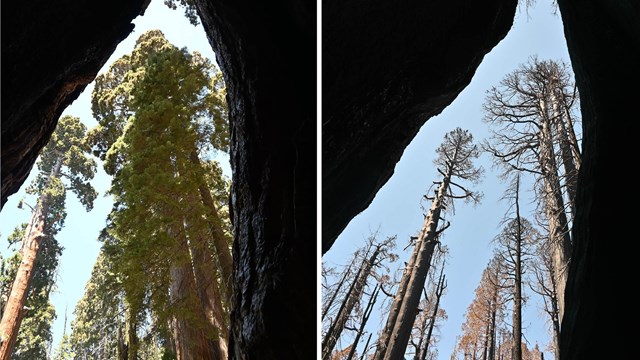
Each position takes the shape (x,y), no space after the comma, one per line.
(162,117)
(64,166)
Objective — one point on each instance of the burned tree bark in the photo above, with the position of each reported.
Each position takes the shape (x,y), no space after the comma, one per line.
(531,115)
(455,155)
(365,318)
(353,296)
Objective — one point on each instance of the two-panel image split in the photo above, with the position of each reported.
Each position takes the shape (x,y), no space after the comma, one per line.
(334,180)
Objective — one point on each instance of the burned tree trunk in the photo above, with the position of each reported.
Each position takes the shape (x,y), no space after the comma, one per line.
(365,318)
(455,155)
(352,297)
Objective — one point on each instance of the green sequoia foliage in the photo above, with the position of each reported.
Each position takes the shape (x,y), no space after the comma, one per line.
(162,117)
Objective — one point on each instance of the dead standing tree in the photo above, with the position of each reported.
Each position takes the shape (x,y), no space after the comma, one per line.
(514,246)
(544,284)
(430,314)
(454,162)
(530,113)
(376,253)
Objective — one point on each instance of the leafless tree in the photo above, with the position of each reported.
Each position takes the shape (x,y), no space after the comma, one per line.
(531,114)
(455,163)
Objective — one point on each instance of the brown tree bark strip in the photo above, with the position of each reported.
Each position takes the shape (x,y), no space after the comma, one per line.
(35,232)
(209,294)
(219,239)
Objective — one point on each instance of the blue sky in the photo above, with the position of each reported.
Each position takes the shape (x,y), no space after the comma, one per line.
(396,209)
(79,237)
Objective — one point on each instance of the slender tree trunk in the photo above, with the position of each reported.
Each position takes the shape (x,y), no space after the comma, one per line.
(492,343)
(439,290)
(573,140)
(554,209)
(399,337)
(423,330)
(35,232)
(364,350)
(352,297)
(219,239)
(517,293)
(554,314)
(335,293)
(365,317)
(485,346)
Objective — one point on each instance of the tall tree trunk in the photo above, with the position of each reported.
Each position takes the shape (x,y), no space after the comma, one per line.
(517,293)
(427,239)
(485,346)
(365,317)
(189,333)
(209,294)
(571,133)
(564,142)
(337,326)
(423,330)
(35,232)
(132,339)
(219,239)
(121,350)
(554,208)
(383,341)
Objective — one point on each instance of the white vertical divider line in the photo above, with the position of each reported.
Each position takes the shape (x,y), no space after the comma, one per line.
(319,172)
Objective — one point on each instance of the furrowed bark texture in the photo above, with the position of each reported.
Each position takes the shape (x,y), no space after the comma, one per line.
(399,337)
(604,45)
(266,52)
